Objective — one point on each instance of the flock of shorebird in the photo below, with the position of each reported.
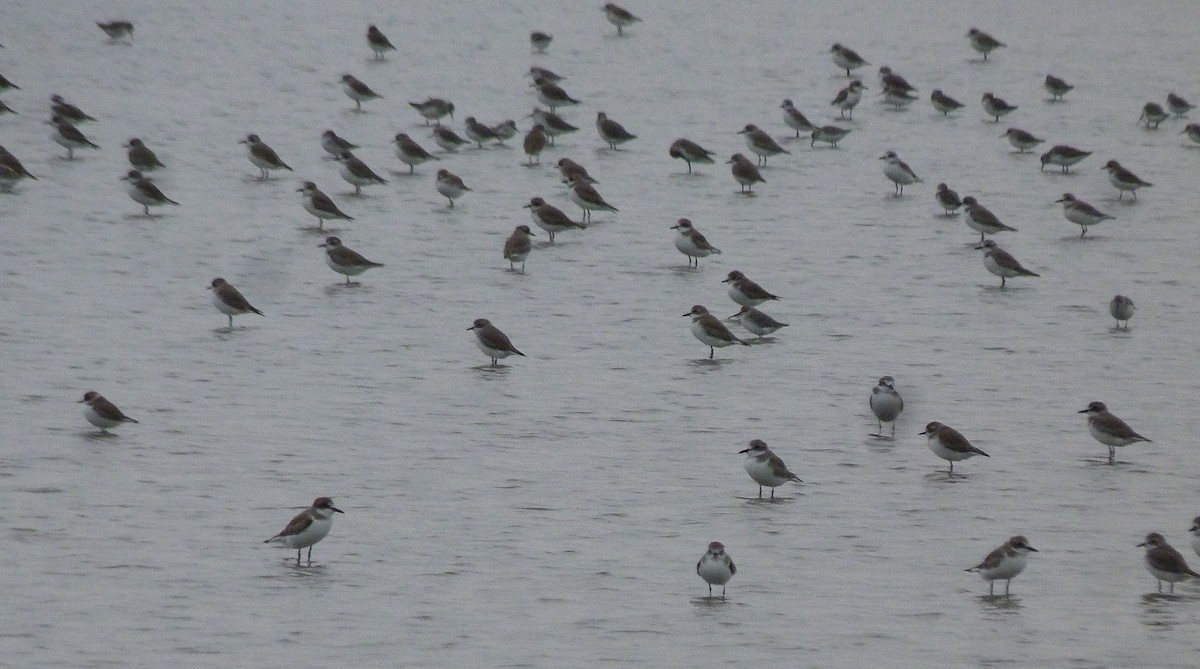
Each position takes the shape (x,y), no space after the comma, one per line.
(761,463)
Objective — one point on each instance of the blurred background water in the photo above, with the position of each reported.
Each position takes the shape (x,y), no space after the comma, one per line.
(549,512)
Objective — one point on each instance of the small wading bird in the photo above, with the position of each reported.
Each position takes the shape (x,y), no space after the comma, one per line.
(716,567)
(309,527)
(766,468)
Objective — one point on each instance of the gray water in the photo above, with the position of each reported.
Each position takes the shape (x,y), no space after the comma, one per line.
(549,512)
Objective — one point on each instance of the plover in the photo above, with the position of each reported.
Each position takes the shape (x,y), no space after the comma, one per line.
(494,343)
(829,134)
(141,157)
(357,91)
(552,95)
(1195,530)
(619,17)
(263,156)
(320,205)
(1122,309)
(144,192)
(68,111)
(550,218)
(846,58)
(1124,180)
(745,172)
(1164,562)
(378,42)
(996,107)
(1178,105)
(766,468)
(1005,563)
(691,243)
(229,301)
(898,172)
(943,103)
(1081,213)
(552,123)
(535,142)
(6,85)
(102,413)
(795,120)
(536,73)
(948,444)
(13,164)
(947,199)
(1152,115)
(334,145)
(716,567)
(357,173)
(434,109)
(1001,263)
(410,152)
(307,528)
(761,143)
(479,132)
(1192,130)
(117,30)
(447,139)
(886,404)
(756,321)
(1021,140)
(517,247)
(848,98)
(540,41)
(69,137)
(504,131)
(710,330)
(1109,430)
(983,42)
(569,168)
(588,198)
(1064,156)
(344,260)
(982,220)
(613,133)
(690,152)
(746,292)
(899,99)
(1056,87)
(892,80)
(450,186)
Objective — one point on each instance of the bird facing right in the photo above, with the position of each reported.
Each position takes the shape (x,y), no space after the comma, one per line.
(1004,563)
(307,528)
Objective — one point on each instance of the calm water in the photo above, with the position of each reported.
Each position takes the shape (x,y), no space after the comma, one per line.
(549,512)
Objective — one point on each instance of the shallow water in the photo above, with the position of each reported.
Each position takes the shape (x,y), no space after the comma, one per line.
(548,512)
